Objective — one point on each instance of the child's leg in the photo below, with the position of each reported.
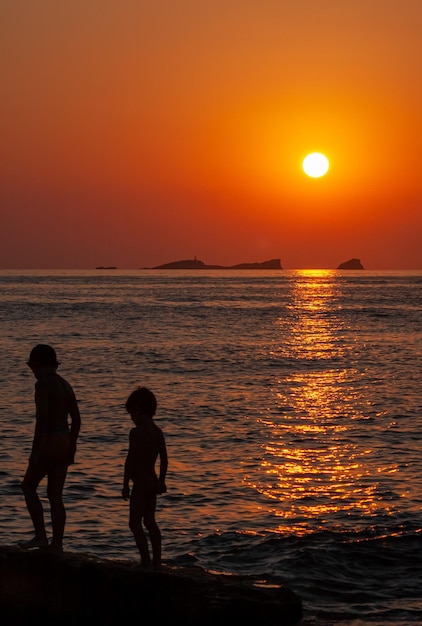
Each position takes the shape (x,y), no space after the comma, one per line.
(58,513)
(155,537)
(135,525)
(32,479)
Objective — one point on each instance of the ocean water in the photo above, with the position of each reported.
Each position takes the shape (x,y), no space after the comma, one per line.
(291,404)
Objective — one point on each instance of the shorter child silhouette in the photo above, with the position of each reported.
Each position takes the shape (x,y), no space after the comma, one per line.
(146,444)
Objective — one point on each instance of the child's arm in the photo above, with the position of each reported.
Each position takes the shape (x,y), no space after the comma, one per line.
(162,488)
(128,467)
(126,477)
(125,492)
(41,414)
(75,417)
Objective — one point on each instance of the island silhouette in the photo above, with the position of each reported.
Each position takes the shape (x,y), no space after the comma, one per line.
(272,264)
(196,264)
(352,264)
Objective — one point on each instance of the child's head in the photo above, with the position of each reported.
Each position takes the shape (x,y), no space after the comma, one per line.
(43,354)
(141,401)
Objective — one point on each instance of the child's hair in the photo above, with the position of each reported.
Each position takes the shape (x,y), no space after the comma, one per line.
(143,400)
(43,354)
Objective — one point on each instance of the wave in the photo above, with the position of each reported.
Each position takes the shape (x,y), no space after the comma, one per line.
(338,575)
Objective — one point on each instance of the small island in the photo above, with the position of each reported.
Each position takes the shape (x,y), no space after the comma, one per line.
(195,264)
(352,264)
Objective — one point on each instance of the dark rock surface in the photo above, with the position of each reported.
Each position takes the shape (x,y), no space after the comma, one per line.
(39,587)
(352,264)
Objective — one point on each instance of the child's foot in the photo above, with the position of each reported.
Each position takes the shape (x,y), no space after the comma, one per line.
(142,566)
(35,542)
(56,548)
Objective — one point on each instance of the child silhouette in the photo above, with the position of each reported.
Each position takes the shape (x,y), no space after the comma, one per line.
(146,444)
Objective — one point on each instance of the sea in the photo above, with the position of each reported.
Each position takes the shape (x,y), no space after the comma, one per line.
(291,405)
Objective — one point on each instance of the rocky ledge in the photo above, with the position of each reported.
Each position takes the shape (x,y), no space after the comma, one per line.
(38,587)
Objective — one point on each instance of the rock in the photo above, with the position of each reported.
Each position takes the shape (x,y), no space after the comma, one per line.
(352,264)
(39,587)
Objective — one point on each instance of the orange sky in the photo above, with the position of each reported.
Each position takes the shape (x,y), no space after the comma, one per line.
(137,133)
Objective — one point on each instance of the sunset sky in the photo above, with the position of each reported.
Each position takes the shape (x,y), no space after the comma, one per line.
(135,133)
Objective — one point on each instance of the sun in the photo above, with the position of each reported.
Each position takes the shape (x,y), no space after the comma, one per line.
(315,165)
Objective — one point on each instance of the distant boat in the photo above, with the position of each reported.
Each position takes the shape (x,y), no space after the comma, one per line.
(106,267)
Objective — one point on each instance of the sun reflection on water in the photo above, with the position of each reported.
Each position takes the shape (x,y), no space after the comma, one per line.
(313,467)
